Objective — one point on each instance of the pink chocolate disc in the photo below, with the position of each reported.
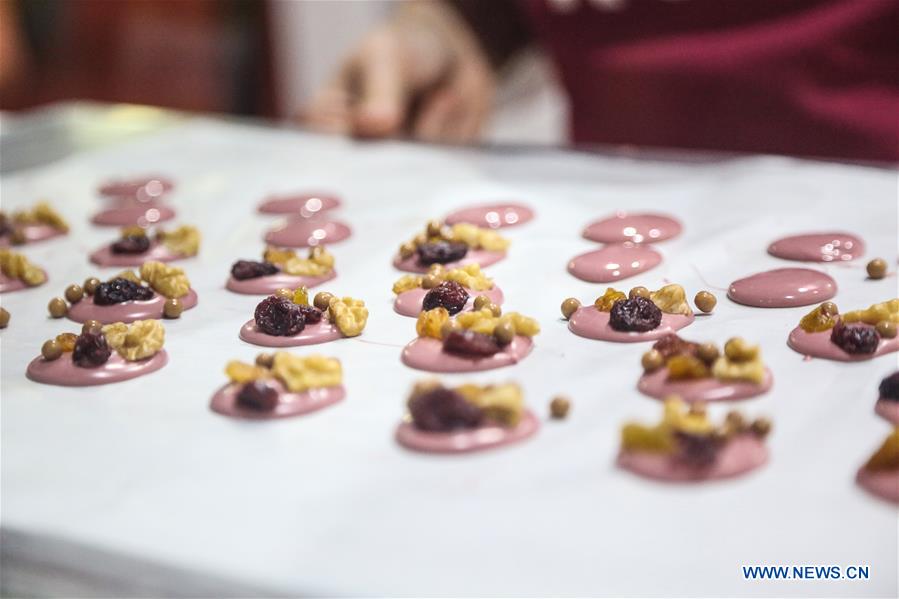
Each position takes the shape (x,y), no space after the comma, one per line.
(271,283)
(614,262)
(483,258)
(482,437)
(139,188)
(818,247)
(320,332)
(589,322)
(408,303)
(9,284)
(819,345)
(63,371)
(657,385)
(638,228)
(783,288)
(126,312)
(426,353)
(142,215)
(308,232)
(33,234)
(306,205)
(492,216)
(289,404)
(883,484)
(738,456)
(888,409)
(157,252)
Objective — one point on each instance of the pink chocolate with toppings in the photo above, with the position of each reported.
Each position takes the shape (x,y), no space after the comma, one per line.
(9,284)
(126,312)
(819,345)
(614,262)
(320,332)
(783,288)
(289,404)
(408,303)
(481,257)
(657,385)
(883,484)
(589,322)
(740,455)
(307,232)
(818,247)
(306,205)
(466,440)
(492,216)
(426,353)
(268,284)
(636,227)
(157,252)
(63,371)
(33,234)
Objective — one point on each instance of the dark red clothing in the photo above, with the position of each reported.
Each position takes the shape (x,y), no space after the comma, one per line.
(800,77)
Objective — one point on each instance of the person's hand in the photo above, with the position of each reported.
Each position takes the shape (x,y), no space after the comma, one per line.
(421,74)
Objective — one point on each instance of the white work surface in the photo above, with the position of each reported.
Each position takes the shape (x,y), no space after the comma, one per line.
(328,503)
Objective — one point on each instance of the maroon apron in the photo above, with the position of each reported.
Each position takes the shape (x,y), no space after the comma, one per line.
(800,77)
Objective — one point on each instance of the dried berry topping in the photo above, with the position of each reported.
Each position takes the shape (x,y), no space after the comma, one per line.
(855,339)
(889,387)
(440,252)
(442,410)
(449,294)
(131,244)
(279,316)
(91,350)
(311,314)
(672,345)
(635,314)
(120,290)
(249,269)
(469,343)
(258,395)
(697,450)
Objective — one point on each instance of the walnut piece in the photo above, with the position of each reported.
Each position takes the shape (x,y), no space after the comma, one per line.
(483,321)
(42,214)
(140,340)
(169,281)
(671,299)
(430,322)
(884,311)
(407,283)
(308,372)
(184,241)
(503,404)
(478,238)
(17,266)
(319,262)
(350,315)
(241,372)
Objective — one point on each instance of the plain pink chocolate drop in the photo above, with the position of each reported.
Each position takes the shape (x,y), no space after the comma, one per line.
(492,216)
(783,288)
(818,247)
(614,262)
(303,232)
(140,188)
(638,228)
(306,205)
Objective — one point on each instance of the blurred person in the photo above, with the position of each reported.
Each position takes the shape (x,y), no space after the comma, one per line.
(800,77)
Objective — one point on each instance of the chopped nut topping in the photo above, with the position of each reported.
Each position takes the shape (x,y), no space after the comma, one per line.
(348,314)
(503,404)
(407,283)
(17,266)
(169,281)
(887,456)
(185,240)
(241,372)
(308,372)
(685,366)
(817,321)
(472,236)
(41,214)
(140,340)
(483,321)
(430,322)
(319,262)
(884,311)
(671,299)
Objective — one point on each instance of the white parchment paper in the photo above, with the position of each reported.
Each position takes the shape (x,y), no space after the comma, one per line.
(330,504)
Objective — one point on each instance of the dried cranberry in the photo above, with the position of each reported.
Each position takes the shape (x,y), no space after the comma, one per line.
(449,294)
(258,395)
(889,387)
(90,350)
(311,314)
(248,269)
(697,451)
(441,410)
(855,339)
(635,314)
(672,345)
(131,244)
(440,252)
(279,316)
(120,290)
(469,343)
